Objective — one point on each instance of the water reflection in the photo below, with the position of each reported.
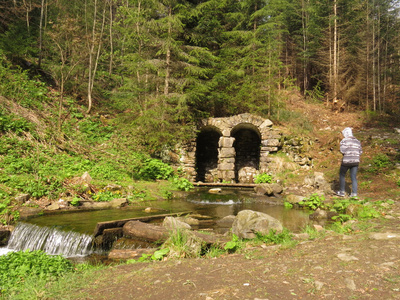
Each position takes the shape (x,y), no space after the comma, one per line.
(217,206)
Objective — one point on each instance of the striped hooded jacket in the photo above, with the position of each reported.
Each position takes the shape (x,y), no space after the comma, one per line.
(351,148)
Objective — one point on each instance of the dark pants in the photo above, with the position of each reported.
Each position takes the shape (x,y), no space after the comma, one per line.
(353,176)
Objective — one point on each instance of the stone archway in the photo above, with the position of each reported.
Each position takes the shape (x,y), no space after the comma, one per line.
(243,141)
(207,154)
(247,148)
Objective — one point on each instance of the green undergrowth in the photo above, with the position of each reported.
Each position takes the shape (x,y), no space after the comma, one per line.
(45,164)
(48,141)
(19,267)
(182,244)
(343,210)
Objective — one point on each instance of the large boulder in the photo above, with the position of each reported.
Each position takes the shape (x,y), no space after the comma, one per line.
(226,222)
(248,222)
(247,174)
(268,189)
(318,181)
(118,202)
(22,198)
(174,224)
(294,199)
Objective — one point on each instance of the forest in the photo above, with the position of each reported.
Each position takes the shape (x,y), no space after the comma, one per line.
(82,81)
(173,61)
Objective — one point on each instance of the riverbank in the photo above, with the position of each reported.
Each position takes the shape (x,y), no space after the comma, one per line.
(361,263)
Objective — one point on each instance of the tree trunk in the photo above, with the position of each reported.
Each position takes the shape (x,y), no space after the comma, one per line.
(110,67)
(147,232)
(41,33)
(94,57)
(159,234)
(335,53)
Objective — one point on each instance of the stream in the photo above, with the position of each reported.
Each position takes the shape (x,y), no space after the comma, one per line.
(69,233)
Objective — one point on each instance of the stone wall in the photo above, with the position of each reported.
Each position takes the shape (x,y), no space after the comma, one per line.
(250,129)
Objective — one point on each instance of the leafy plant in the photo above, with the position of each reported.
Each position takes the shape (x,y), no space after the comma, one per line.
(16,267)
(154,169)
(313,202)
(287,205)
(273,237)
(340,228)
(10,123)
(341,218)
(16,84)
(157,255)
(233,245)
(95,131)
(313,233)
(75,201)
(379,162)
(104,196)
(7,213)
(182,184)
(263,178)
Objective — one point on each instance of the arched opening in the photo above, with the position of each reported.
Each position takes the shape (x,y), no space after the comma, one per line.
(207,154)
(247,147)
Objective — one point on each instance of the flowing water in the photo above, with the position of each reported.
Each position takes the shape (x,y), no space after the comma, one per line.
(50,240)
(70,234)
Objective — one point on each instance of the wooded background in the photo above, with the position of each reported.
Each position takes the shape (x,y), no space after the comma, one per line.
(173,61)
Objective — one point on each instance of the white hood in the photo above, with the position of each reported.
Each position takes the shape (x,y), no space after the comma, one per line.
(347,132)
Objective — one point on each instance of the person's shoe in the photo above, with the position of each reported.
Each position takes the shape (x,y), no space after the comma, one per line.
(353,195)
(340,194)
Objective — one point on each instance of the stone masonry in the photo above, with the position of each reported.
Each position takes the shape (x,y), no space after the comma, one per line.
(226,128)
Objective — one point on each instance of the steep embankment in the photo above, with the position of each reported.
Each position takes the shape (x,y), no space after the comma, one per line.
(379,172)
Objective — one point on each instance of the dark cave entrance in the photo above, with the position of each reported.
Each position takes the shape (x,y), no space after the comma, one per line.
(207,152)
(247,146)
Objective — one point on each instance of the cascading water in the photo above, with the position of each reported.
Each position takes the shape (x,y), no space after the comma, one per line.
(50,240)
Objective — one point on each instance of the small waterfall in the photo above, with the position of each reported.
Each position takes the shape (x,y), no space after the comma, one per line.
(50,240)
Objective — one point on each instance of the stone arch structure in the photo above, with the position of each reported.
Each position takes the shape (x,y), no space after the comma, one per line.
(207,153)
(226,146)
(247,150)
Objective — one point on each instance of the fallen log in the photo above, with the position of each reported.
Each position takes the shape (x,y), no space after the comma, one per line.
(101,226)
(123,254)
(159,234)
(144,231)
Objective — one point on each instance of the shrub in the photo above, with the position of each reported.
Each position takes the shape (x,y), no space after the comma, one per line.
(235,244)
(263,178)
(104,196)
(95,131)
(380,162)
(7,213)
(313,202)
(9,123)
(16,267)
(276,238)
(154,169)
(16,85)
(182,184)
